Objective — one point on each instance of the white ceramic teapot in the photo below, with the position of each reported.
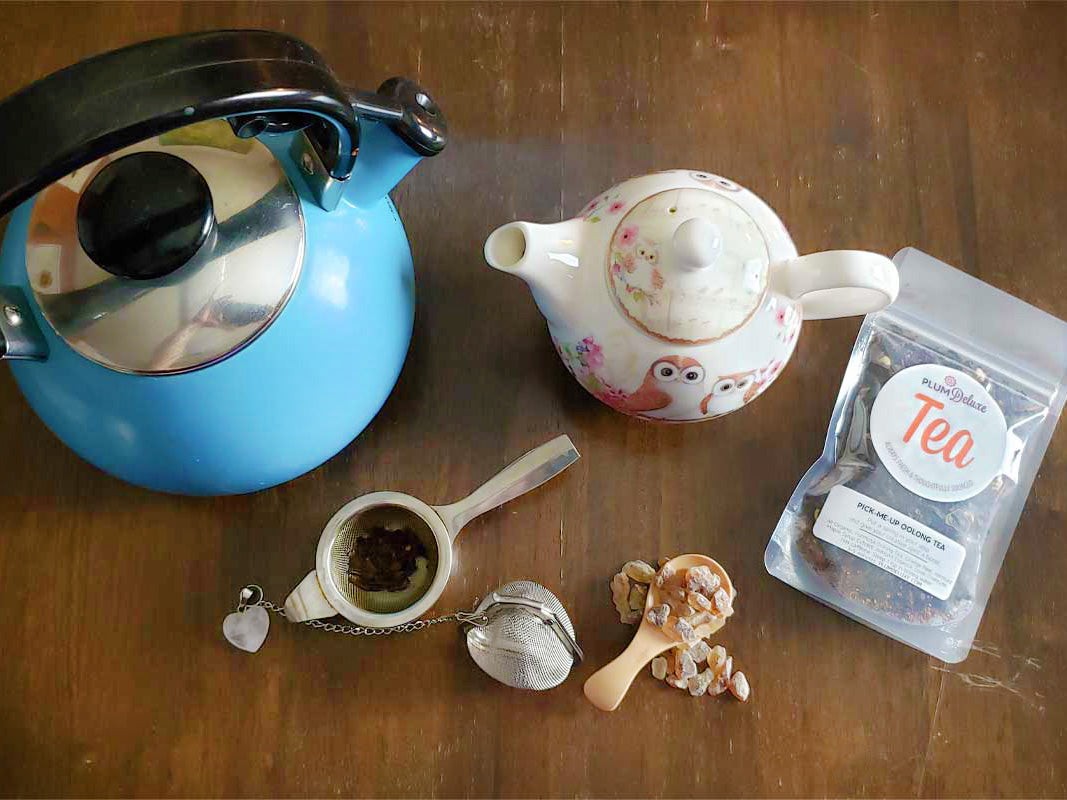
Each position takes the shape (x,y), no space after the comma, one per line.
(678,296)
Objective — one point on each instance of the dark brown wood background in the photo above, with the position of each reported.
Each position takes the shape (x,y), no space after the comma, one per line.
(874,126)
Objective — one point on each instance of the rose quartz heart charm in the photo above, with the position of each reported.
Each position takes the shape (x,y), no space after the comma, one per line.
(247,630)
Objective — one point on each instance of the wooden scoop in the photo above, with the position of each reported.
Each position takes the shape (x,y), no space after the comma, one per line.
(608,686)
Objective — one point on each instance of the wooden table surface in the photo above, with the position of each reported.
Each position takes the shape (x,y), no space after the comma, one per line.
(874,126)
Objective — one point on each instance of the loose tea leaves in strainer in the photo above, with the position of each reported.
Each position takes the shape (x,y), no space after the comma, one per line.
(947,406)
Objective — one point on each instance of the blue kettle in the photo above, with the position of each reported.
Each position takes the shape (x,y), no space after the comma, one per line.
(204,287)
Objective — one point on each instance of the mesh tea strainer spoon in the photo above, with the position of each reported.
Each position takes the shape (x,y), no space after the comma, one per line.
(334,587)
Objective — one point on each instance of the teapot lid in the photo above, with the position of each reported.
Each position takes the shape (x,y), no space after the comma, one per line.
(167,255)
(688,265)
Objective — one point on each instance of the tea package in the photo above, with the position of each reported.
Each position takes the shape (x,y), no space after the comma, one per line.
(948,403)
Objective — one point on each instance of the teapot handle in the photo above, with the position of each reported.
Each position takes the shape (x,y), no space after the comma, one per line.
(837,283)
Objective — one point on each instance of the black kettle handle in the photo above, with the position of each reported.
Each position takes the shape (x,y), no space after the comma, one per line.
(259,80)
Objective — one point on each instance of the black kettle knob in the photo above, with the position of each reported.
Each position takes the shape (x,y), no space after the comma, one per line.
(144,215)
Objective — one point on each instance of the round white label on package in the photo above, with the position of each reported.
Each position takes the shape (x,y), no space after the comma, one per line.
(938,432)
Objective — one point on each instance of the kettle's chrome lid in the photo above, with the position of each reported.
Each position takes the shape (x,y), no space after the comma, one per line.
(167,255)
(689,265)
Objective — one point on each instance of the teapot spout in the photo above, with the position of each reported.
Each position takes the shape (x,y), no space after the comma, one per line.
(546,257)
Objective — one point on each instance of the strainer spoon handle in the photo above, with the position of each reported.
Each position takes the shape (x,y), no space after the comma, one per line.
(528,472)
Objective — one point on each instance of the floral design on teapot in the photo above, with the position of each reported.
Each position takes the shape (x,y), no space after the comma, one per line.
(583,359)
(787,316)
(609,204)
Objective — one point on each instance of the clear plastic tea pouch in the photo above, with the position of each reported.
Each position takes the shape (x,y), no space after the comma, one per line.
(947,406)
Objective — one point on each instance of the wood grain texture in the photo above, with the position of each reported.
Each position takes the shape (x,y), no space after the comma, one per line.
(876,126)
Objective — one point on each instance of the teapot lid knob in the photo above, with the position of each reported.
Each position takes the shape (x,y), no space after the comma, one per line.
(697,244)
(688,265)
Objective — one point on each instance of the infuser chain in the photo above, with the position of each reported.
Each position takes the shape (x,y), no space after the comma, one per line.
(252,595)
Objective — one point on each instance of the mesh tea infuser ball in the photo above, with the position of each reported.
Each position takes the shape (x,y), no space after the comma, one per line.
(526,640)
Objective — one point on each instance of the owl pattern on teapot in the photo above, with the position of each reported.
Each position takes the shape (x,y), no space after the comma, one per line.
(635,266)
(675,388)
(732,391)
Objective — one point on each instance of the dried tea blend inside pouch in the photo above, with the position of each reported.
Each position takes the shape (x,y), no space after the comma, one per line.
(947,406)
